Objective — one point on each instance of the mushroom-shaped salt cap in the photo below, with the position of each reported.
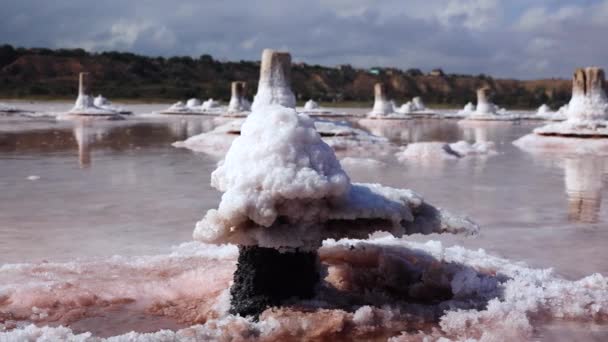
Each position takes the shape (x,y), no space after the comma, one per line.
(284,188)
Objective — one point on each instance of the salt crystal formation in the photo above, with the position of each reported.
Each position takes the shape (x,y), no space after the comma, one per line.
(429,151)
(418,104)
(397,289)
(313,109)
(85,106)
(586,129)
(383,108)
(238,103)
(485,109)
(341,136)
(210,105)
(194,106)
(284,187)
(7,109)
(311,105)
(587,111)
(193,103)
(103,103)
(274,86)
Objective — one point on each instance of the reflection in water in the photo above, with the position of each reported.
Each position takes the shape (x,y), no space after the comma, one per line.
(85,135)
(402,131)
(583,177)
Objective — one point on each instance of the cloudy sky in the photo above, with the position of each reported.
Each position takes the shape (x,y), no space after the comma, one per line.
(514,38)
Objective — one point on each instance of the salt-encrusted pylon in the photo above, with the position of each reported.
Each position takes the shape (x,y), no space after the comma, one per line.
(274,86)
(382,105)
(238,102)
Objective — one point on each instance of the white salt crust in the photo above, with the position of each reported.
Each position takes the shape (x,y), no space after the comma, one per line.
(239,104)
(587,111)
(562,145)
(196,107)
(103,103)
(284,187)
(274,85)
(8,109)
(493,299)
(85,106)
(439,150)
(313,109)
(341,136)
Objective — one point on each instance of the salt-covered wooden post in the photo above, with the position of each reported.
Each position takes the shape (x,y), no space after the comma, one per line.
(285,192)
(274,86)
(84,83)
(588,96)
(483,101)
(238,102)
(382,106)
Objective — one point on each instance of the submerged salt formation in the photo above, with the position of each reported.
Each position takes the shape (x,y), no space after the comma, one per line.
(238,102)
(274,86)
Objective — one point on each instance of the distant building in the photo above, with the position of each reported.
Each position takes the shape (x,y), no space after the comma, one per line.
(375,71)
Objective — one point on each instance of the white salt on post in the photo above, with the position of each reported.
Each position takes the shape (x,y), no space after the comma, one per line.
(587,111)
(274,86)
(588,102)
(382,106)
(484,106)
(83,83)
(238,102)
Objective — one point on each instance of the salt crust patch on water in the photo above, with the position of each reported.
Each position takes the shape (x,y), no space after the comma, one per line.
(443,151)
(339,135)
(380,284)
(284,187)
(563,145)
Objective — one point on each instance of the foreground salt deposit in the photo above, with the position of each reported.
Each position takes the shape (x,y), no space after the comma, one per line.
(389,288)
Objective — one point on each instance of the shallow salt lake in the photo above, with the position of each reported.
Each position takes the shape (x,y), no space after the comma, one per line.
(77,191)
(72,190)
